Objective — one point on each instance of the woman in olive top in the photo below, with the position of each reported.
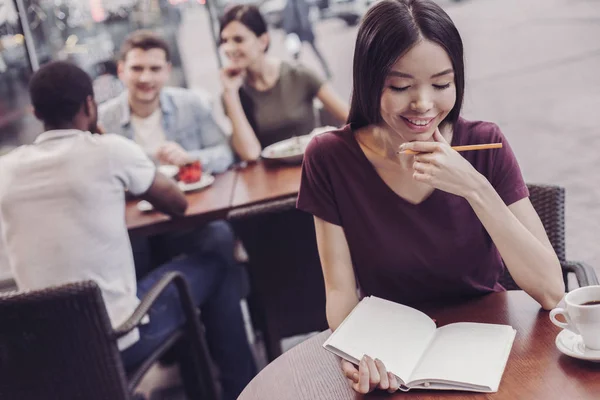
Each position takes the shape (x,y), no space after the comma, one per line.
(266,99)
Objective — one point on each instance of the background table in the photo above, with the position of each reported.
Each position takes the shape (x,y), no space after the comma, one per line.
(263,182)
(203,206)
(535,369)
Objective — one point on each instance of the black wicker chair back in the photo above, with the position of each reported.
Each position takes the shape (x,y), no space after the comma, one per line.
(57,343)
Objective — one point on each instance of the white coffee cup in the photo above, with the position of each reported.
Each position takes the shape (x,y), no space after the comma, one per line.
(581,319)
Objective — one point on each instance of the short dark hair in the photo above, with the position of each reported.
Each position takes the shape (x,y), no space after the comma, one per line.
(58,90)
(145,40)
(247,14)
(388,30)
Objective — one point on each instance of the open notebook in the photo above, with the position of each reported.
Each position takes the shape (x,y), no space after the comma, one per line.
(461,356)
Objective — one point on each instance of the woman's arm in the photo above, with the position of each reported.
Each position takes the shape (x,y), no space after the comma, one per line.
(333,103)
(340,289)
(340,285)
(243,138)
(522,242)
(516,230)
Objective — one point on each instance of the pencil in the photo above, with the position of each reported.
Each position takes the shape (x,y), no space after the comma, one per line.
(463,148)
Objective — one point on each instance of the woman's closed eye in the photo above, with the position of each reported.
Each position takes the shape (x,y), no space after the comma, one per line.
(399,88)
(442,87)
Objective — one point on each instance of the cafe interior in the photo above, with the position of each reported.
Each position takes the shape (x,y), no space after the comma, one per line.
(59,340)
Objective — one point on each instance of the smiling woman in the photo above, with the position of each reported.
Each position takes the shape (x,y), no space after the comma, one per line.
(267,100)
(426,224)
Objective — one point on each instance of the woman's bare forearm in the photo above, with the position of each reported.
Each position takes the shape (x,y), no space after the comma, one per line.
(531,261)
(339,305)
(243,139)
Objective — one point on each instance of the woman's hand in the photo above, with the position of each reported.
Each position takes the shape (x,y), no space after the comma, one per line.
(438,165)
(232,78)
(370,375)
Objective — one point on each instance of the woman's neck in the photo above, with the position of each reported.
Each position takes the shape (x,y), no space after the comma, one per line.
(264,73)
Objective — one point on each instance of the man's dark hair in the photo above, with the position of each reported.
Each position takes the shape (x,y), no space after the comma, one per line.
(145,40)
(58,90)
(389,30)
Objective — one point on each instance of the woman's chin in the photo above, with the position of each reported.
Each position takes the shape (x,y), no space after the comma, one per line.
(410,136)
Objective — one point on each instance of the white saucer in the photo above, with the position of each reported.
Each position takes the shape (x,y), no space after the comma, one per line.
(168,170)
(144,206)
(205,181)
(571,344)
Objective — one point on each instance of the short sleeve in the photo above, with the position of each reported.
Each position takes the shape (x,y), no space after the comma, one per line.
(316,195)
(506,176)
(312,81)
(130,164)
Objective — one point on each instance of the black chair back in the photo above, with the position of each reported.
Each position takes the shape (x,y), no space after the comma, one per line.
(57,343)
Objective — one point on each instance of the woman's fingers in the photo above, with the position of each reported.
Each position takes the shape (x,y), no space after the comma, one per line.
(371,374)
(363,385)
(350,371)
(421,147)
(374,376)
(393,381)
(384,382)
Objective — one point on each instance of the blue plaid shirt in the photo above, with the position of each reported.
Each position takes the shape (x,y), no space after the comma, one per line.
(187,120)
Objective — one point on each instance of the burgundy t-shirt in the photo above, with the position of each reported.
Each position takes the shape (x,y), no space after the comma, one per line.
(408,253)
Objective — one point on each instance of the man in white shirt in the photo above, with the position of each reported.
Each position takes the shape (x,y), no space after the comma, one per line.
(62,205)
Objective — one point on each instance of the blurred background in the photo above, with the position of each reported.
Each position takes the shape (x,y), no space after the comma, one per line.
(532,68)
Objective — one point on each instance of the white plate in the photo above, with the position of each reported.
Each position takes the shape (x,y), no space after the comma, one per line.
(291,151)
(205,181)
(144,206)
(571,344)
(168,170)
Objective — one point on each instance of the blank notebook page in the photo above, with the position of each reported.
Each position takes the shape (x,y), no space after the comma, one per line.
(394,333)
(467,352)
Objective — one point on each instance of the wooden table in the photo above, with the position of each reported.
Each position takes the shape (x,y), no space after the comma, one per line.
(203,206)
(265,187)
(258,186)
(535,369)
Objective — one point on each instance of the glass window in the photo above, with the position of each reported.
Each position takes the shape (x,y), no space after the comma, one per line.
(16,120)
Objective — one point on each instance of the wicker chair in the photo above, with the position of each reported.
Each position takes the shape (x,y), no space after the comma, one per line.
(58,343)
(549,202)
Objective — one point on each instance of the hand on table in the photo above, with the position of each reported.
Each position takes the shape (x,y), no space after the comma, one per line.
(441,167)
(172,153)
(370,375)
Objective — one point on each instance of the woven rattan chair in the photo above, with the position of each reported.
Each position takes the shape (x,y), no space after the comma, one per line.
(549,202)
(58,343)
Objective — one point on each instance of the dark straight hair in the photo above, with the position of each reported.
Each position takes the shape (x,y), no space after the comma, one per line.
(248,15)
(389,30)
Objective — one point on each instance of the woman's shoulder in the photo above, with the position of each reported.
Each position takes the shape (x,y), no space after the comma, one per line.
(331,145)
(299,72)
(476,132)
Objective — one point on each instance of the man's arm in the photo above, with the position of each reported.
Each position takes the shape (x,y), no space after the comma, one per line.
(165,196)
